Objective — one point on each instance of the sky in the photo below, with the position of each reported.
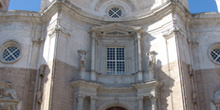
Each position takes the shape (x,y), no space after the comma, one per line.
(195,6)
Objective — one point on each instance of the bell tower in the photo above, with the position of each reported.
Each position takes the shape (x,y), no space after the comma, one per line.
(185,3)
(45,3)
(218,4)
(4,5)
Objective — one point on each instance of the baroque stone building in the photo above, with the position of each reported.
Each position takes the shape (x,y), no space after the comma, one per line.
(109,55)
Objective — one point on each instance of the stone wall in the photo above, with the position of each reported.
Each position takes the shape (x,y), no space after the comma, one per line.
(23,81)
(170,93)
(207,81)
(63,93)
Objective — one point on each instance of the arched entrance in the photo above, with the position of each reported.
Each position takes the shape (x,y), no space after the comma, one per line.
(115,108)
(116,105)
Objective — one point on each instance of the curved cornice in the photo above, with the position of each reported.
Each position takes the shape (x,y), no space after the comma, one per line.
(151,16)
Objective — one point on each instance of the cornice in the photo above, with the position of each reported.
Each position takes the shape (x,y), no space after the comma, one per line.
(147,17)
(17,15)
(20,13)
(205,17)
(84,83)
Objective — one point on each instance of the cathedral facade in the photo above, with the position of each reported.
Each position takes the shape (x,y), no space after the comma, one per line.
(109,55)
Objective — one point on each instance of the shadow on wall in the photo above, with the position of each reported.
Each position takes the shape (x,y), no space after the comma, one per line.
(42,79)
(165,95)
(163,74)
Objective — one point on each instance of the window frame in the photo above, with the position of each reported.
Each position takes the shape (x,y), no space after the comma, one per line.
(115,12)
(5,46)
(211,48)
(106,55)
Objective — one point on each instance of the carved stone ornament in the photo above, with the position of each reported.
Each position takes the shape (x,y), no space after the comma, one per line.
(38,40)
(152,60)
(58,28)
(217,97)
(8,97)
(82,55)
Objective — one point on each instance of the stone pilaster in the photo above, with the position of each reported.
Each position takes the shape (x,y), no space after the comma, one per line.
(80,99)
(153,102)
(93,103)
(93,73)
(140,103)
(140,74)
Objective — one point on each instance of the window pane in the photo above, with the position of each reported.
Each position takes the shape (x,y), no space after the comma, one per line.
(215,54)
(110,53)
(110,67)
(120,53)
(115,61)
(11,53)
(120,68)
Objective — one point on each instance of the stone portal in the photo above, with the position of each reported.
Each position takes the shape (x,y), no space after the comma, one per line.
(116,108)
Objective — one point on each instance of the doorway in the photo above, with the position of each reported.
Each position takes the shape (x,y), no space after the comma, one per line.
(115,108)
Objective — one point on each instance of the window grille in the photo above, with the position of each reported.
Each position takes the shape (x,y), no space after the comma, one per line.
(115,12)
(115,61)
(11,53)
(215,55)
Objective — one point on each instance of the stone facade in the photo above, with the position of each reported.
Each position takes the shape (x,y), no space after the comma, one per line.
(109,54)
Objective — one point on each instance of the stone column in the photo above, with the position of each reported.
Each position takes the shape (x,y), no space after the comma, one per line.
(80,99)
(140,74)
(153,103)
(93,74)
(140,103)
(93,103)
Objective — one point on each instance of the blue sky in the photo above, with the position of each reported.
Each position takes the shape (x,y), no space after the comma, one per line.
(196,6)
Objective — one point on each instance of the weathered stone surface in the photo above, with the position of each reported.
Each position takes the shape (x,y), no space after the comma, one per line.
(63,62)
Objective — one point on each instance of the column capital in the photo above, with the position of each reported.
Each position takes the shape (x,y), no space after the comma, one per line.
(93,97)
(153,98)
(80,96)
(140,98)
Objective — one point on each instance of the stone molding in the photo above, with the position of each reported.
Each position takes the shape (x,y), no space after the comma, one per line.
(167,34)
(38,41)
(153,83)
(155,14)
(192,42)
(58,28)
(116,30)
(84,83)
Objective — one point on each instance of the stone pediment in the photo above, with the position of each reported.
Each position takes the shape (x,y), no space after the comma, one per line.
(115,29)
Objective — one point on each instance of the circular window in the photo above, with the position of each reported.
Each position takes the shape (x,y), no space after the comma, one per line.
(115,12)
(10,52)
(214,53)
